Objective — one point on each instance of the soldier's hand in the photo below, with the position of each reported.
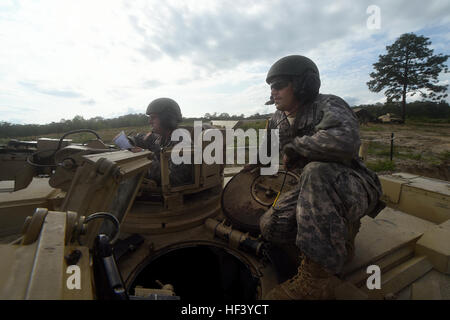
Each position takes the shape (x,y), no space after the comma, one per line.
(290,163)
(286,162)
(291,159)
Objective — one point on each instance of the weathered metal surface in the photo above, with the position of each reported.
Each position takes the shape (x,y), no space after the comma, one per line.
(154,218)
(36,268)
(16,206)
(423,197)
(410,246)
(248,195)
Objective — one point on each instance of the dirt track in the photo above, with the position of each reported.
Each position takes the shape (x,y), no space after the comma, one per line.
(423,138)
(427,145)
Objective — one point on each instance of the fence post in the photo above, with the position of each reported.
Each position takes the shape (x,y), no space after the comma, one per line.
(392,145)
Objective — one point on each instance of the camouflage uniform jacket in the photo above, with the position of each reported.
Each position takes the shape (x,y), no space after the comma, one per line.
(335,189)
(326,130)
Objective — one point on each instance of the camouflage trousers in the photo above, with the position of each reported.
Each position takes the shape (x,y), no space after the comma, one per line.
(318,213)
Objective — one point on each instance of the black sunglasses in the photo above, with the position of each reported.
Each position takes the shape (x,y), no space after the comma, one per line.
(278,85)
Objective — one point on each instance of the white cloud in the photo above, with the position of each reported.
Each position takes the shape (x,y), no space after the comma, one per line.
(105,58)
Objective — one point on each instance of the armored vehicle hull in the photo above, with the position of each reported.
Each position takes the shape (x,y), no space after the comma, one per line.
(184,242)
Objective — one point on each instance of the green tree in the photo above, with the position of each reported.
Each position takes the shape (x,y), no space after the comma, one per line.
(224,115)
(207,116)
(409,67)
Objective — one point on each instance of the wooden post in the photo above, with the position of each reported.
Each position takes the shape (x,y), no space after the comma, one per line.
(392,145)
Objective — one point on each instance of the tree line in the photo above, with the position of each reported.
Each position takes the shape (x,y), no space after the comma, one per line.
(422,110)
(9,130)
(419,110)
(226,116)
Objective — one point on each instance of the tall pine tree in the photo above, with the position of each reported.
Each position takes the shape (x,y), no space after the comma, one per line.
(409,67)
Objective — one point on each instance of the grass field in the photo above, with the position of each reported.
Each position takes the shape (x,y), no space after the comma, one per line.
(105,134)
(420,148)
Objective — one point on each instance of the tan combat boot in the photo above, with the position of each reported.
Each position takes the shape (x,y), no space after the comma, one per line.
(311,282)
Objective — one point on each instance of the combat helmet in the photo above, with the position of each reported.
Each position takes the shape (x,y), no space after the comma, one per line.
(294,65)
(167,109)
(302,70)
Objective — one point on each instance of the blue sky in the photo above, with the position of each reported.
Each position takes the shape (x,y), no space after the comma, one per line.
(108,58)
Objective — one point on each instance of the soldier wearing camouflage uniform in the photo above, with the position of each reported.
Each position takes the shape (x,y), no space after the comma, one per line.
(164,117)
(319,138)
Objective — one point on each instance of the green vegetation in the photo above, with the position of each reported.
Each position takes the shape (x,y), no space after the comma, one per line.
(381,165)
(416,112)
(421,120)
(254,125)
(375,128)
(445,156)
(383,151)
(379,149)
(105,134)
(8,130)
(409,66)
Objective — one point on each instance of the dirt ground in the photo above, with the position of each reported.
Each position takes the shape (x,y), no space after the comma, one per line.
(423,137)
(420,148)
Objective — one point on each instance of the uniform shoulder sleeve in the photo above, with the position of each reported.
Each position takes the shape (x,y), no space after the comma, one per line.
(336,136)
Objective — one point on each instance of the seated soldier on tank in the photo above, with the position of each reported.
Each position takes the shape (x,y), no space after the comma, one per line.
(164,117)
(319,134)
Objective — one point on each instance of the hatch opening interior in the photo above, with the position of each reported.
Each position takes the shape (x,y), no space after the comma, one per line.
(200,272)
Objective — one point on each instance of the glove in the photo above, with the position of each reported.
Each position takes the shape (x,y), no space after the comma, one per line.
(292,159)
(132,140)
